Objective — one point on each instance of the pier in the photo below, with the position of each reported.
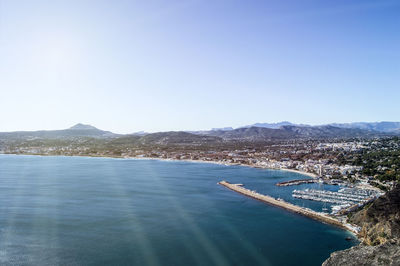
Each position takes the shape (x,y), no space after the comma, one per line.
(297,182)
(309,181)
(288,206)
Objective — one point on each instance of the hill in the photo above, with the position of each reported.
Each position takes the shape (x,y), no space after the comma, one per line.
(78,130)
(165,138)
(177,137)
(285,131)
(291,132)
(384,126)
(381,220)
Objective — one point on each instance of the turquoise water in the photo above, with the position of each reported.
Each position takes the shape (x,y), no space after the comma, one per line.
(100,211)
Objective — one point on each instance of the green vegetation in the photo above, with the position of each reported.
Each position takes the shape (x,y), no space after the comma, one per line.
(381,160)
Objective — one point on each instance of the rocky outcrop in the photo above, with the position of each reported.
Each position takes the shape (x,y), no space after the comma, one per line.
(380,221)
(385,255)
(380,233)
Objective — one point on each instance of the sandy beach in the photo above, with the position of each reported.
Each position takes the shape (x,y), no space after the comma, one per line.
(223,163)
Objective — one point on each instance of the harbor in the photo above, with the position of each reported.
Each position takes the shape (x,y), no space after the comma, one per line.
(323,217)
(344,200)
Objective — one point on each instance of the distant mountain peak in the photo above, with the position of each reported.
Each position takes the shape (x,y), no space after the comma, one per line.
(384,126)
(80,126)
(222,128)
(271,125)
(139,133)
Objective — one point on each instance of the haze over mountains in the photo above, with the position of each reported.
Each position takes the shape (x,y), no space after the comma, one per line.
(253,133)
(377,126)
(293,132)
(288,130)
(374,126)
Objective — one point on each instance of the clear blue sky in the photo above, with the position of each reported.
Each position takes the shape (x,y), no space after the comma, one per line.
(127,66)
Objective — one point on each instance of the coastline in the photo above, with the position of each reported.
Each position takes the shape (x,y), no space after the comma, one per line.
(299,172)
(171,160)
(223,163)
(106,160)
(343,227)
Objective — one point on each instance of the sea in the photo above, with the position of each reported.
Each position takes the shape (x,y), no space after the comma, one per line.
(104,211)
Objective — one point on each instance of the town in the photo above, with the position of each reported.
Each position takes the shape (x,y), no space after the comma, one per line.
(345,161)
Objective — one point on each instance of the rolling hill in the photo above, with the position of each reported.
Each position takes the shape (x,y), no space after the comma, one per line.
(78,130)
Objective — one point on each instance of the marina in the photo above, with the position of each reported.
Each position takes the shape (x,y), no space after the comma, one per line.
(344,199)
(323,217)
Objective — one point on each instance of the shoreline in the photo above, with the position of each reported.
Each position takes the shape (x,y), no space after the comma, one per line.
(228,164)
(172,160)
(189,161)
(299,172)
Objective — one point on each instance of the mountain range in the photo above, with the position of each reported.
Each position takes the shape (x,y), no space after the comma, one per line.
(383,126)
(253,133)
(292,132)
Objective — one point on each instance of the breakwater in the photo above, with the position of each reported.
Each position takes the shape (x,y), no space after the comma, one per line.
(297,182)
(288,206)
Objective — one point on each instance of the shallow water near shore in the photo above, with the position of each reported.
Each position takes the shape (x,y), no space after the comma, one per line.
(103,211)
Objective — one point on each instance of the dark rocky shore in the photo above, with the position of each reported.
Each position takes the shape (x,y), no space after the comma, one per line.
(384,254)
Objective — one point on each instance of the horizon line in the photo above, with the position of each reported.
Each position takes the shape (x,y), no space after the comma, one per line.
(194,130)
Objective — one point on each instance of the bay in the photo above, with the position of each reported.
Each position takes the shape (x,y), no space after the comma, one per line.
(104,211)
